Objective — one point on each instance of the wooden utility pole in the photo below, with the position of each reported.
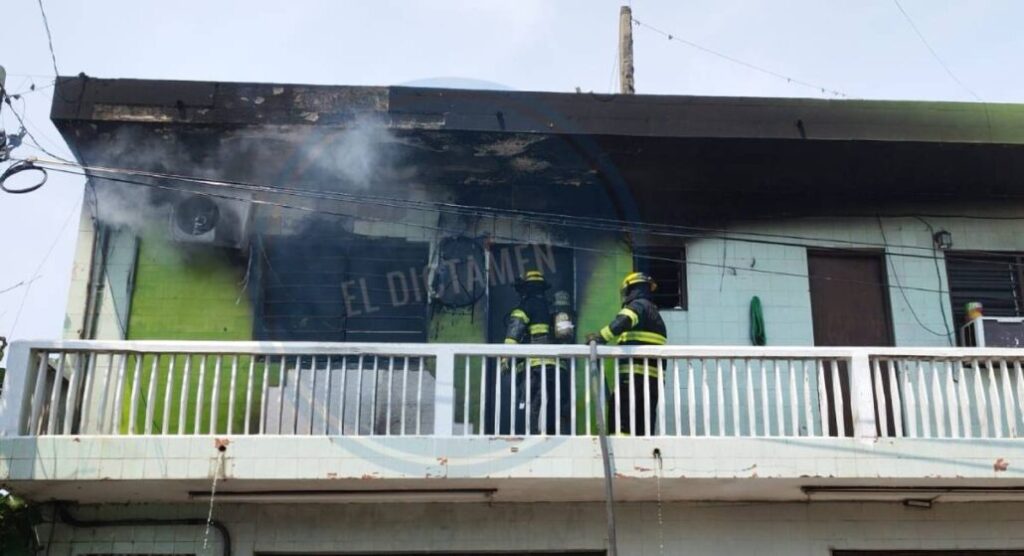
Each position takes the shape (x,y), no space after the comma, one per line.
(626,51)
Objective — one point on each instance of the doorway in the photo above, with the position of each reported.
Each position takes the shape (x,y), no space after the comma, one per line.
(849,307)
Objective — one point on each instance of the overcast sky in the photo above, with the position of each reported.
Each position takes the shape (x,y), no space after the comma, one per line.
(864,48)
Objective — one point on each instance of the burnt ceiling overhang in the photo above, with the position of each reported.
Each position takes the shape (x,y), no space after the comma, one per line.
(663,159)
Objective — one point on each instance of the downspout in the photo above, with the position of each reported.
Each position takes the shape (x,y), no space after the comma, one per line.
(67,518)
(94,289)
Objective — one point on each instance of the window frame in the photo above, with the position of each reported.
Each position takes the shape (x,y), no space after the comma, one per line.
(677,252)
(1017,259)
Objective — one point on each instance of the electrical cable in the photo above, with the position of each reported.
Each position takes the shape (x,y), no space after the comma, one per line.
(748,65)
(17,168)
(53,53)
(35,273)
(599,252)
(935,54)
(945,67)
(550,219)
(938,280)
(38,130)
(225,535)
(899,286)
(20,284)
(7,100)
(592,223)
(33,88)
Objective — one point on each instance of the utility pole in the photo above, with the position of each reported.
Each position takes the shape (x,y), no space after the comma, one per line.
(626,51)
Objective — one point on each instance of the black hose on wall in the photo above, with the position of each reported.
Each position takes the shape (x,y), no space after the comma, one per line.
(66,517)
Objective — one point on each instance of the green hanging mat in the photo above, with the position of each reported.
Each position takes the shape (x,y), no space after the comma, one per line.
(757,334)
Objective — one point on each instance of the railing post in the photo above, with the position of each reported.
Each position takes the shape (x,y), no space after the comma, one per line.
(862,396)
(14,399)
(444,391)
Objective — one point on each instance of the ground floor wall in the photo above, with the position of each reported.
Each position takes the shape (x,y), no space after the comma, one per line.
(811,529)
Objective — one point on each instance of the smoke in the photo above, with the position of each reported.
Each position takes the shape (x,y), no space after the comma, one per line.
(355,158)
(358,157)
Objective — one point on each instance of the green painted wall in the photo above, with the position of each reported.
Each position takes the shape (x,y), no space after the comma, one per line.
(598,302)
(465,325)
(599,293)
(193,293)
(196,294)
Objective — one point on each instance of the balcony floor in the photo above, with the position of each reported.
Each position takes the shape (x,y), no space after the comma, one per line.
(92,469)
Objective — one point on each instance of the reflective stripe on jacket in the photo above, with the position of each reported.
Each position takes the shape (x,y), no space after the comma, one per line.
(638,323)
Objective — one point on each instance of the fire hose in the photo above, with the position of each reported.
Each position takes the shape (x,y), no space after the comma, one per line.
(596,387)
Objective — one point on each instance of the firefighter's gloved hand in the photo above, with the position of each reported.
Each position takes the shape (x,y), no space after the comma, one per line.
(595,337)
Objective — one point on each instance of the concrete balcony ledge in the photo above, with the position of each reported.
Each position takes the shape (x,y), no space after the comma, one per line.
(167,469)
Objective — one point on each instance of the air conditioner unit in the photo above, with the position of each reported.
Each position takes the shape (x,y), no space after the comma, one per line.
(1007,332)
(211,220)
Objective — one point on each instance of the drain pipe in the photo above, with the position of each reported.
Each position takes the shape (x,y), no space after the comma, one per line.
(596,379)
(66,517)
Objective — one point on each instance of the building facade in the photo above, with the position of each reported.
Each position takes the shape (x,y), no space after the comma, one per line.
(291,300)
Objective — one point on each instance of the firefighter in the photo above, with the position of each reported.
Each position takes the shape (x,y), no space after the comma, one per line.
(536,379)
(638,323)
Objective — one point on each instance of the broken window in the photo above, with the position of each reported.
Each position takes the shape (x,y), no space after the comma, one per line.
(667,266)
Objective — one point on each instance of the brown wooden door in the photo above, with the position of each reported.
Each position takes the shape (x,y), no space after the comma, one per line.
(849,299)
(849,307)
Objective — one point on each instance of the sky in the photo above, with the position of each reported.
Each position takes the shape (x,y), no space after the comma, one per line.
(862,48)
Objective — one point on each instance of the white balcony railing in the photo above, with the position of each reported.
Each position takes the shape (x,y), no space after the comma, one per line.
(260,388)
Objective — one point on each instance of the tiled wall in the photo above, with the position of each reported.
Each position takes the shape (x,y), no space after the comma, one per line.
(798,529)
(719,298)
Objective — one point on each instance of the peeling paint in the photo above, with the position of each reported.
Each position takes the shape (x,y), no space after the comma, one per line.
(311,116)
(527,164)
(278,90)
(132,113)
(1000,465)
(512,146)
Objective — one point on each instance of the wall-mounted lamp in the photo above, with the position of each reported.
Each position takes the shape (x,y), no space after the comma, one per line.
(943,240)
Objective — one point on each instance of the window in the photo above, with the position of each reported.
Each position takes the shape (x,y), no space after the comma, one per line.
(993,280)
(667,266)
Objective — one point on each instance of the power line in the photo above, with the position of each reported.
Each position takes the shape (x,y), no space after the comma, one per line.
(20,284)
(748,65)
(938,280)
(550,219)
(28,121)
(592,223)
(906,300)
(35,273)
(33,88)
(935,54)
(599,252)
(53,53)
(21,122)
(49,38)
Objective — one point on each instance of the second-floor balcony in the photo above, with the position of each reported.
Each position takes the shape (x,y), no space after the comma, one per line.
(814,421)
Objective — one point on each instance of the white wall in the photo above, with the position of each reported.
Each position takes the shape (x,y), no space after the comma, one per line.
(811,529)
(719,299)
